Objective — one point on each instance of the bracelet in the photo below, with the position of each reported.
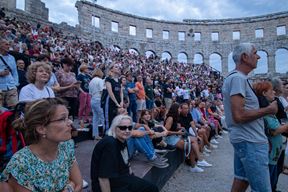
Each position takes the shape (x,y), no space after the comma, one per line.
(69,188)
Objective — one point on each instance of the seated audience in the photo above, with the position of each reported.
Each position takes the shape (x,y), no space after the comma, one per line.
(175,138)
(110,166)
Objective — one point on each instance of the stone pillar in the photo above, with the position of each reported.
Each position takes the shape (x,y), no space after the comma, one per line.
(190,59)
(224,65)
(271,63)
(206,60)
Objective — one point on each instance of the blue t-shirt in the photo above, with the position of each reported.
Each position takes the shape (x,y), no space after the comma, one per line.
(132,96)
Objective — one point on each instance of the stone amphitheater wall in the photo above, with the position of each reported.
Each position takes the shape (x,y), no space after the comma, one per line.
(34,8)
(224,27)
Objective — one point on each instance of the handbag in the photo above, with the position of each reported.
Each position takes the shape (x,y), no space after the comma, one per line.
(104,96)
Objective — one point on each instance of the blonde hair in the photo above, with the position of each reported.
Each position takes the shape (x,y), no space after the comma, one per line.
(83,67)
(97,73)
(116,121)
(32,69)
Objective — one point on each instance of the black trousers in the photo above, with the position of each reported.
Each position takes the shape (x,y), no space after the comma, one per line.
(132,184)
(72,106)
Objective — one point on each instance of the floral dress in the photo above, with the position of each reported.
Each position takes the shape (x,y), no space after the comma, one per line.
(37,175)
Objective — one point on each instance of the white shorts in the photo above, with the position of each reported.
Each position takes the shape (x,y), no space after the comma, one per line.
(141,105)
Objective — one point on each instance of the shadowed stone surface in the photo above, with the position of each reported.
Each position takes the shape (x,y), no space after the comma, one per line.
(215,179)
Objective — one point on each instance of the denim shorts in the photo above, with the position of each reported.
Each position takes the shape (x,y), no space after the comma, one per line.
(251,164)
(172,139)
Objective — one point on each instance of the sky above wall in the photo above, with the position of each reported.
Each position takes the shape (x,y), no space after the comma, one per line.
(177,10)
(172,10)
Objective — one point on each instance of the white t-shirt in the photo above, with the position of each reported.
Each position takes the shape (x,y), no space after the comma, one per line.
(96,87)
(186,94)
(30,93)
(283,101)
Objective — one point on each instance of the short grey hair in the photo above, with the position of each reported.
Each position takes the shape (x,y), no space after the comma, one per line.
(116,121)
(241,49)
(277,85)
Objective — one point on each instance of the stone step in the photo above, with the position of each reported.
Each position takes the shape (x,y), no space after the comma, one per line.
(139,166)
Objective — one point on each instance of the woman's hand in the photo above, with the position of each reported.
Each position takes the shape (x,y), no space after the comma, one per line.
(151,132)
(138,133)
(121,104)
(165,133)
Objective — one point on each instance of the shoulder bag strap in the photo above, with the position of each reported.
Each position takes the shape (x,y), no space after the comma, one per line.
(48,91)
(6,64)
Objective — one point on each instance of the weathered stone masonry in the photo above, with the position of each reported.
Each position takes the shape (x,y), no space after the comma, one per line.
(225,27)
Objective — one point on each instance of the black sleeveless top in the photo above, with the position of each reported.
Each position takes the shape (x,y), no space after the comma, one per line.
(174,124)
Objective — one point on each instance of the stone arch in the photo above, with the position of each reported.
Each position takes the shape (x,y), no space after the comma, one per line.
(182,57)
(133,51)
(231,63)
(98,45)
(198,58)
(281,60)
(215,61)
(262,64)
(115,48)
(150,53)
(166,55)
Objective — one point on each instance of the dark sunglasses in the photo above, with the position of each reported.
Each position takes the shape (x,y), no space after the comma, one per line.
(123,128)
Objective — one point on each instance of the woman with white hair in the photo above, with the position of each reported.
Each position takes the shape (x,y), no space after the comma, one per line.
(110,166)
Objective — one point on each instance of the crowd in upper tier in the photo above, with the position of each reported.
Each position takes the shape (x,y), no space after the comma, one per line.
(145,105)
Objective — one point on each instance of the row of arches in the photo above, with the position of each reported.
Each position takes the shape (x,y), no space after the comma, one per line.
(281,59)
(215,59)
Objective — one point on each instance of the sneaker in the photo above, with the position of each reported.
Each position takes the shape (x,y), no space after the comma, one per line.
(160,149)
(170,148)
(225,132)
(163,159)
(204,163)
(206,154)
(85,184)
(158,163)
(207,150)
(196,169)
(213,146)
(98,138)
(213,141)
(218,137)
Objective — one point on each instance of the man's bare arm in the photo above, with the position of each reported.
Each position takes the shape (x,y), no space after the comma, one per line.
(242,115)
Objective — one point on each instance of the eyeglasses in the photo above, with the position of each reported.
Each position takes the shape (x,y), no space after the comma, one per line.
(63,119)
(123,128)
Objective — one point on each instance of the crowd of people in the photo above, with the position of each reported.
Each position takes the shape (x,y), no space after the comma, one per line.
(144,104)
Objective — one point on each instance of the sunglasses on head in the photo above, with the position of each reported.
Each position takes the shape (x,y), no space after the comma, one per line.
(123,128)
